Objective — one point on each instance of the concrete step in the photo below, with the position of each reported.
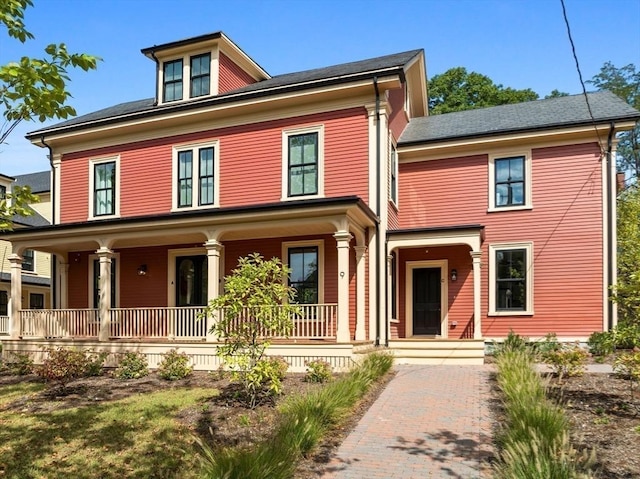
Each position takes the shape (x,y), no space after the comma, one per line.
(453,361)
(437,351)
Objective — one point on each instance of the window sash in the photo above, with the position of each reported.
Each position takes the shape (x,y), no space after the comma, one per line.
(96,283)
(303,164)
(511,279)
(206,176)
(185,178)
(4,303)
(200,75)
(304,276)
(172,80)
(394,180)
(510,187)
(28,260)
(104,191)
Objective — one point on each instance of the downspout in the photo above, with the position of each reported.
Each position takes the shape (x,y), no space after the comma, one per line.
(54,269)
(378,209)
(155,59)
(610,210)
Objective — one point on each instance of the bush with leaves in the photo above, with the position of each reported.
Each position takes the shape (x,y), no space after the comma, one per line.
(19,364)
(318,371)
(95,363)
(628,365)
(62,365)
(174,365)
(624,336)
(567,360)
(256,305)
(132,366)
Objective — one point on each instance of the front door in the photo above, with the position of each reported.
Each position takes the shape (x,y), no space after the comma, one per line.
(191,280)
(427,310)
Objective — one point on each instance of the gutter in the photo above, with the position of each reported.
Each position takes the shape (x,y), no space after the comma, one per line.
(54,269)
(612,249)
(155,59)
(378,208)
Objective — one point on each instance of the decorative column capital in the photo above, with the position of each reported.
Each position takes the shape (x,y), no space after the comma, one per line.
(213,247)
(343,238)
(476,256)
(15,259)
(104,252)
(360,252)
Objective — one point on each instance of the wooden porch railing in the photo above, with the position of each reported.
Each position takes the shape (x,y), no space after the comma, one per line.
(59,323)
(4,325)
(171,323)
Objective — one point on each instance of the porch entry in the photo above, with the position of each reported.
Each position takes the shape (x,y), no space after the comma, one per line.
(427,307)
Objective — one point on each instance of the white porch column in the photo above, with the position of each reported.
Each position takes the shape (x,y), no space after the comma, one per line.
(214,248)
(389,292)
(343,238)
(64,285)
(360,299)
(477,324)
(15,325)
(104,285)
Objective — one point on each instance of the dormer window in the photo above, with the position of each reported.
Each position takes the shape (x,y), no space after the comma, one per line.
(200,75)
(173,80)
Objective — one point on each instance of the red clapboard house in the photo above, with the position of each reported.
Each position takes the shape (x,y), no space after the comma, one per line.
(426,234)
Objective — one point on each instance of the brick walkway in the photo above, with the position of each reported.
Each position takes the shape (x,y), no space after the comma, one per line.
(430,422)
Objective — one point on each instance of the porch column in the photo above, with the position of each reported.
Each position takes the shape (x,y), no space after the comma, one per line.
(477,324)
(64,285)
(343,238)
(104,299)
(360,299)
(15,325)
(214,248)
(389,293)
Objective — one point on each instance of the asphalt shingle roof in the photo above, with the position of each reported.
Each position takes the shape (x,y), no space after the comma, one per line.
(36,219)
(40,182)
(339,73)
(541,114)
(27,279)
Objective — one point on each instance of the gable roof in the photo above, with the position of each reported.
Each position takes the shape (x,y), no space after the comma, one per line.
(40,182)
(533,115)
(35,220)
(336,74)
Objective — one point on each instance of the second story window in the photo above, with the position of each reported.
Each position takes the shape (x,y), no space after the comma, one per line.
(195,175)
(303,164)
(393,187)
(28,260)
(200,75)
(172,75)
(510,182)
(104,188)
(3,192)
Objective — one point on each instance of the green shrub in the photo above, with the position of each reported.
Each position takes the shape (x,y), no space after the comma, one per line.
(318,371)
(623,336)
(95,363)
(132,366)
(20,364)
(513,342)
(628,365)
(601,343)
(567,360)
(174,365)
(61,366)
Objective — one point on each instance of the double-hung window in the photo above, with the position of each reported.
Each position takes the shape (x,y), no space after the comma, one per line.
(104,178)
(303,263)
(195,175)
(3,192)
(303,163)
(393,167)
(28,260)
(4,303)
(510,182)
(172,81)
(200,75)
(511,279)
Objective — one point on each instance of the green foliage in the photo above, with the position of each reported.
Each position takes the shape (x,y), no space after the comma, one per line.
(627,292)
(303,421)
(16,203)
(257,304)
(318,371)
(512,343)
(628,365)
(132,366)
(95,363)
(601,343)
(19,364)
(623,336)
(567,360)
(62,365)
(174,365)
(457,90)
(556,94)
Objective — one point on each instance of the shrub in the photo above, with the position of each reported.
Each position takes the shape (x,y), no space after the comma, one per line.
(567,360)
(61,366)
(628,365)
(174,365)
(20,364)
(95,363)
(623,336)
(318,371)
(601,343)
(132,366)
(513,342)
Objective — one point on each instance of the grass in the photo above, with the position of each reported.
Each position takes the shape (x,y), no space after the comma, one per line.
(134,437)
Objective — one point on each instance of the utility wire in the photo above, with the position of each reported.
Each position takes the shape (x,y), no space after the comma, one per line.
(584,89)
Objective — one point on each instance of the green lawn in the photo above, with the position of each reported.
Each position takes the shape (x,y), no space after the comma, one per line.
(135,437)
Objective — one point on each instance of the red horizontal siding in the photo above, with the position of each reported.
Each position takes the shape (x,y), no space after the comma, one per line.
(397,118)
(231,76)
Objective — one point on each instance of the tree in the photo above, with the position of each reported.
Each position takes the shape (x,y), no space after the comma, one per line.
(32,88)
(625,83)
(556,94)
(257,304)
(457,90)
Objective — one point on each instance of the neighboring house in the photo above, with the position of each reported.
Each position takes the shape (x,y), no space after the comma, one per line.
(426,234)
(36,265)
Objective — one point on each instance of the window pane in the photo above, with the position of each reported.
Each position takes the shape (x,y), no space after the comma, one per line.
(295,150)
(185,179)
(4,303)
(502,195)
(310,180)
(200,77)
(296,178)
(104,188)
(517,194)
(206,191)
(303,263)
(511,279)
(28,260)
(502,170)
(516,166)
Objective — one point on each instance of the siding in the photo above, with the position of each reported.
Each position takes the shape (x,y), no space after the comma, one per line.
(249,151)
(231,76)
(398,118)
(565,226)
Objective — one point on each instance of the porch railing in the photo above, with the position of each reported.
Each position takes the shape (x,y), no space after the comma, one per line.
(4,325)
(59,323)
(171,323)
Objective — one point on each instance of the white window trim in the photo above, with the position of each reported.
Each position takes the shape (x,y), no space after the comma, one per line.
(33,272)
(286,245)
(92,163)
(443,264)
(172,255)
(319,129)
(92,258)
(528,169)
(396,202)
(195,194)
(526,245)
(186,75)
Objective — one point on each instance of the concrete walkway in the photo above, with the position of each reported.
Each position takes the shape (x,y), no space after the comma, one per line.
(430,422)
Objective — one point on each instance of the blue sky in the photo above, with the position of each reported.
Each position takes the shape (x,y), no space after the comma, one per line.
(518,43)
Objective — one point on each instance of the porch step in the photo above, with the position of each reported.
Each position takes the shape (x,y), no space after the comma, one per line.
(437,351)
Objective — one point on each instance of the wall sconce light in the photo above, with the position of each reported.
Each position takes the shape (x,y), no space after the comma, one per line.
(454,275)
(142,270)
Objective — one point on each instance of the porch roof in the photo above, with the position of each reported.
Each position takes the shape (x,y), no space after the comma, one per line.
(470,235)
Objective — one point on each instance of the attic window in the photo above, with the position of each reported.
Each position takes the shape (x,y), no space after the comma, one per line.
(173,80)
(200,75)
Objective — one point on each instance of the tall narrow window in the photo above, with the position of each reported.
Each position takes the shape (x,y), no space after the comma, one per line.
(200,75)
(303,164)
(510,181)
(96,283)
(394,175)
(36,301)
(104,190)
(394,282)
(28,260)
(172,80)
(4,303)
(206,176)
(511,279)
(185,178)
(3,192)
(303,263)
